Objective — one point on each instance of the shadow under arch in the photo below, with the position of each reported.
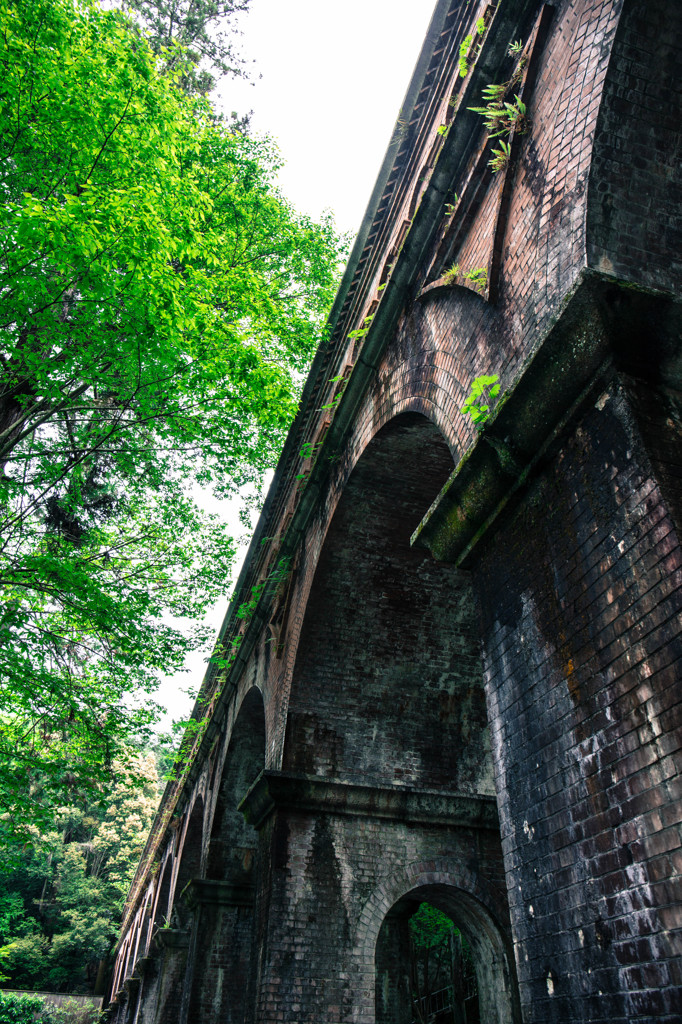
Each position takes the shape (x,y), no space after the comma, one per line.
(161,901)
(220,985)
(232,841)
(190,852)
(164,997)
(387,682)
(475,907)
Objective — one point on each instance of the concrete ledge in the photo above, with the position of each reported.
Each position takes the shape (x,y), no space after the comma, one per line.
(211,892)
(585,346)
(172,938)
(274,790)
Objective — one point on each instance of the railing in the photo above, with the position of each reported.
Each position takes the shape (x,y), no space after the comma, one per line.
(435,1003)
(434,1007)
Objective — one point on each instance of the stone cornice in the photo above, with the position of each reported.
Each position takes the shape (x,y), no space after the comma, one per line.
(314,794)
(215,893)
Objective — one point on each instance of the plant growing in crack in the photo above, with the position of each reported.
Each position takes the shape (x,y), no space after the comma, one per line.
(451,274)
(276,576)
(479,403)
(465,47)
(477,276)
(501,156)
(501,116)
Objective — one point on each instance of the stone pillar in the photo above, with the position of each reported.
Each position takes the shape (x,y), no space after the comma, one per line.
(581,612)
(393,1001)
(325,846)
(175,945)
(219,984)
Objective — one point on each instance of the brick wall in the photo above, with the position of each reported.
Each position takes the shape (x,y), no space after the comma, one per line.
(581,602)
(387,684)
(634,218)
(375,678)
(332,882)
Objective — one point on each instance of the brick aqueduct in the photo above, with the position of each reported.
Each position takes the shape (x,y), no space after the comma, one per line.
(461,679)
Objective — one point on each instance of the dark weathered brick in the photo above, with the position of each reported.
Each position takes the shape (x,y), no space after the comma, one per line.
(381,688)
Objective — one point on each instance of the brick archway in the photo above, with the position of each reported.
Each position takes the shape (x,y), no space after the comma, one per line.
(563,513)
(475,906)
(389,635)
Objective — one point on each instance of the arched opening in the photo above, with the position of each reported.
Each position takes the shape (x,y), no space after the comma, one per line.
(387,686)
(161,907)
(190,853)
(386,734)
(220,988)
(233,842)
(441,958)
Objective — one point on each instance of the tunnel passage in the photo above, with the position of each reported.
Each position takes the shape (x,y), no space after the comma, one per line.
(472,983)
(387,685)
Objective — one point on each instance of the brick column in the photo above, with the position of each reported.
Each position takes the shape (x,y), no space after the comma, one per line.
(174,943)
(581,600)
(326,846)
(393,1004)
(219,988)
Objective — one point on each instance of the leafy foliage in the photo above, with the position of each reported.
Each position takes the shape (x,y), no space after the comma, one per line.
(62,903)
(430,957)
(25,1009)
(205,31)
(477,276)
(479,400)
(500,116)
(19,1009)
(159,302)
(440,958)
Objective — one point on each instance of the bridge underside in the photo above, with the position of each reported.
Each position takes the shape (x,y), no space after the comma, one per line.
(460,684)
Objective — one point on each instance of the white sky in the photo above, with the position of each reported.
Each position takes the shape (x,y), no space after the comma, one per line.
(333,78)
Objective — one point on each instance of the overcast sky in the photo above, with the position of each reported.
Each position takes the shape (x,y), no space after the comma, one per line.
(332,81)
(333,78)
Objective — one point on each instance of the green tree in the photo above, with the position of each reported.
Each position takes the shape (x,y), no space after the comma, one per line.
(159,302)
(61,906)
(440,958)
(205,29)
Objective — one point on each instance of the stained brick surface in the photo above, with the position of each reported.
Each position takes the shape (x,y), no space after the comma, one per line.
(580,595)
(544,667)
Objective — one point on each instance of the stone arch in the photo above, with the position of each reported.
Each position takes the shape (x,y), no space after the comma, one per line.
(142,929)
(473,905)
(121,962)
(230,834)
(161,909)
(387,682)
(190,850)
